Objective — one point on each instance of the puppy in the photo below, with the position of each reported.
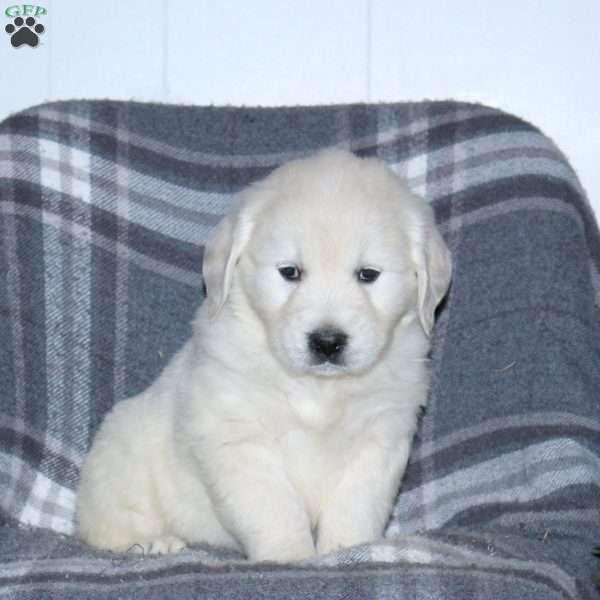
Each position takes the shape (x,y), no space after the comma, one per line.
(283,426)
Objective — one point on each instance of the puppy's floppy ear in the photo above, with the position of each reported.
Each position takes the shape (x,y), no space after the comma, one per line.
(221,253)
(434,270)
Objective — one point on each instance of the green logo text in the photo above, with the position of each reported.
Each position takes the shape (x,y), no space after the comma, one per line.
(25,10)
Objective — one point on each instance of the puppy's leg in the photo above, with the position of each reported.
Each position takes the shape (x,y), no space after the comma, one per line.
(256,502)
(119,503)
(120,514)
(359,506)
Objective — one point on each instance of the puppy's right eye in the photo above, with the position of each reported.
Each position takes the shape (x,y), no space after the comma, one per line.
(367,275)
(290,272)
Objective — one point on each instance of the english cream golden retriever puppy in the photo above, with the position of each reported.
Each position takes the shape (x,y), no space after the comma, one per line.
(283,426)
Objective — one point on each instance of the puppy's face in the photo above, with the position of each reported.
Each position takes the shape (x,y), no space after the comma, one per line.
(329,261)
(329,279)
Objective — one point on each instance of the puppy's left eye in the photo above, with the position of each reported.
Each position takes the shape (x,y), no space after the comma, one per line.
(290,272)
(367,275)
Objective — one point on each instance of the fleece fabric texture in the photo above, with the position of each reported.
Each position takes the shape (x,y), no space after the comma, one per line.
(104,210)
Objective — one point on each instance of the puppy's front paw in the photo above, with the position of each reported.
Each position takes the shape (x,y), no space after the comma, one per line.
(335,536)
(325,546)
(166,544)
(283,551)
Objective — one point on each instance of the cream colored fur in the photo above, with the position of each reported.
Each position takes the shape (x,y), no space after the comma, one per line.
(244,441)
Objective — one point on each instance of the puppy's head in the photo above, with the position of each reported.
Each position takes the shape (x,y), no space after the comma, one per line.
(331,253)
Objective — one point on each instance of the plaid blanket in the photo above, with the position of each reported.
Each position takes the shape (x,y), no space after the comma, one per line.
(104,209)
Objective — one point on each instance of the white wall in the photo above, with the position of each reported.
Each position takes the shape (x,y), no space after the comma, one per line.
(536,58)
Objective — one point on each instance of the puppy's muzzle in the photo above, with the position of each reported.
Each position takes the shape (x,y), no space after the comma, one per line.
(327,345)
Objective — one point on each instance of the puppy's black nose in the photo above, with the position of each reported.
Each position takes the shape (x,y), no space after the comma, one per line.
(327,344)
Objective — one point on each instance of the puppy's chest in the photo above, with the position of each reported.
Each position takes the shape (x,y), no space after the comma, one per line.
(314,462)
(317,441)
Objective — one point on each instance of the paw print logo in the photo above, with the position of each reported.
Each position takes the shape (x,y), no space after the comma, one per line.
(24,32)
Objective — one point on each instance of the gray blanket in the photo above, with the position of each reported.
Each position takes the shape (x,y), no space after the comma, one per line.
(104,208)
